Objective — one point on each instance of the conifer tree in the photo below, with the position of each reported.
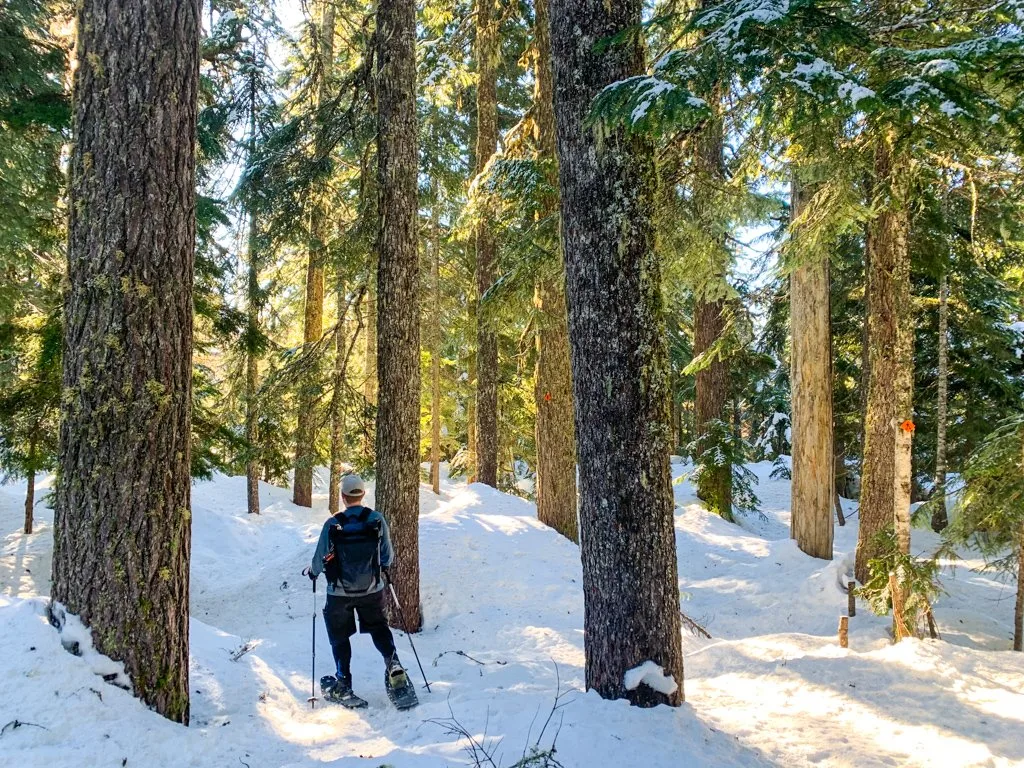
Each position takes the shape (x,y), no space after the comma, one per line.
(616,332)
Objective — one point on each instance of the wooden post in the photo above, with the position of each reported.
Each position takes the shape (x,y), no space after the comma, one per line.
(844,631)
(851,596)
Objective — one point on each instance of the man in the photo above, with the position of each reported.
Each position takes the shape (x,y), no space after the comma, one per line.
(354,552)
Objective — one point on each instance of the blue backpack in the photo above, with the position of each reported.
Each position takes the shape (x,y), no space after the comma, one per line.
(352,562)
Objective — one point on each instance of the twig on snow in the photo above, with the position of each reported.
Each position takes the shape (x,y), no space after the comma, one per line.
(15,724)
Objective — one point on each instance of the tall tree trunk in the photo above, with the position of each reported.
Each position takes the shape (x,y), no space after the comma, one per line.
(30,493)
(811,381)
(342,354)
(1018,612)
(619,360)
(252,310)
(939,518)
(313,317)
(556,437)
(888,399)
(714,484)
(370,384)
(122,528)
(398,321)
(487,340)
(435,351)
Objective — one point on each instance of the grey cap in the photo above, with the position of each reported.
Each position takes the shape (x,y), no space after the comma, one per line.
(352,485)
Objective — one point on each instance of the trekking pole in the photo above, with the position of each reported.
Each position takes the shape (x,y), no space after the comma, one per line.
(312,676)
(401,615)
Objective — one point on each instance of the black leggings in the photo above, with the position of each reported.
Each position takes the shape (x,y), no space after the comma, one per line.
(340,618)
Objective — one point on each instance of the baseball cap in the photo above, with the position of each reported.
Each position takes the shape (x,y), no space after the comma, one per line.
(352,485)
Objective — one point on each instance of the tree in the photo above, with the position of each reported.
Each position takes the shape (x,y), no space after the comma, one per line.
(990,515)
(122,515)
(556,438)
(939,517)
(617,339)
(398,320)
(888,423)
(486,49)
(313,318)
(811,382)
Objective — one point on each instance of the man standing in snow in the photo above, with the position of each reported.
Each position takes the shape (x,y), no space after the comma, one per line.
(354,552)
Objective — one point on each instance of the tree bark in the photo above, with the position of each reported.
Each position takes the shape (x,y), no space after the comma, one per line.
(555,435)
(811,381)
(122,527)
(1018,612)
(30,493)
(342,354)
(435,354)
(487,49)
(313,317)
(252,312)
(398,321)
(888,398)
(714,484)
(619,360)
(939,517)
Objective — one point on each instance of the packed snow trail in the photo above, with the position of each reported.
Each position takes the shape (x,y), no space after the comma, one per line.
(503,614)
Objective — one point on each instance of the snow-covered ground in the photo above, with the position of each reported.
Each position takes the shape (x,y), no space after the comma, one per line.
(503,613)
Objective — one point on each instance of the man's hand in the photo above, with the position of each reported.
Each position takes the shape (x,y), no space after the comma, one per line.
(386,570)
(309,572)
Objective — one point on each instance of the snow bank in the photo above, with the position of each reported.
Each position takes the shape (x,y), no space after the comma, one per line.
(503,636)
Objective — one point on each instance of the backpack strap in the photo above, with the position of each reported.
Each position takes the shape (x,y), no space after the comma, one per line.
(365,514)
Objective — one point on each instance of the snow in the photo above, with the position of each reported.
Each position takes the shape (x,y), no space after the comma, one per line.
(652,675)
(771,688)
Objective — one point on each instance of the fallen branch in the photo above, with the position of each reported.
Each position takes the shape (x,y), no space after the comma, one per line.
(247,646)
(694,627)
(16,724)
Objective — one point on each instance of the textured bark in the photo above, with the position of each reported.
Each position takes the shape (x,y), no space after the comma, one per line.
(342,354)
(398,321)
(435,354)
(486,338)
(939,518)
(714,485)
(811,381)
(252,468)
(888,397)
(555,434)
(1018,612)
(619,360)
(313,316)
(370,385)
(30,492)
(122,513)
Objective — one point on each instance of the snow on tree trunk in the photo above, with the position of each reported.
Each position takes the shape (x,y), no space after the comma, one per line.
(885,487)
(487,51)
(398,321)
(714,484)
(122,522)
(811,380)
(619,360)
(313,316)
(556,436)
(939,517)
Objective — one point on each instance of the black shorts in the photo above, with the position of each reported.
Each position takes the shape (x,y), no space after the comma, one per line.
(340,614)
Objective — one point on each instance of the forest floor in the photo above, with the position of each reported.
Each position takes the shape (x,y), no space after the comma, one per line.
(503,610)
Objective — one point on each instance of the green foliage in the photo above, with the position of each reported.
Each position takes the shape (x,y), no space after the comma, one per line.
(917,580)
(989,513)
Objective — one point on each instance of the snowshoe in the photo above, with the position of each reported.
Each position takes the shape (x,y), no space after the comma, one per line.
(339,691)
(400,689)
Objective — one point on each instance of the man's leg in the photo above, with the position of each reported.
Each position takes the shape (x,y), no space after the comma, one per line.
(374,622)
(341,625)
